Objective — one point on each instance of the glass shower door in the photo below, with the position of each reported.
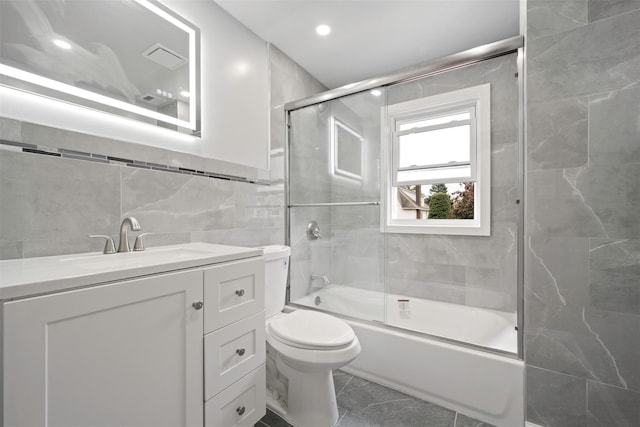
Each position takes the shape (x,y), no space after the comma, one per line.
(337,260)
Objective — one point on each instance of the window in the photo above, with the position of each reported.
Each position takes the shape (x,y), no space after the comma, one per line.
(346,151)
(438,144)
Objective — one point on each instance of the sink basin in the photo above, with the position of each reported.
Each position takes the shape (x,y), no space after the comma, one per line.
(132,259)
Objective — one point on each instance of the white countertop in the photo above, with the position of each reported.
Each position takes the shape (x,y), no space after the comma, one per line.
(33,276)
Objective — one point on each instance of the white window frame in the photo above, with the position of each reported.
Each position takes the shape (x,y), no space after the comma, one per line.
(476,98)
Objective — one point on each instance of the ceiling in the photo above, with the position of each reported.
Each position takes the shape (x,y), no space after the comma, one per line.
(370,38)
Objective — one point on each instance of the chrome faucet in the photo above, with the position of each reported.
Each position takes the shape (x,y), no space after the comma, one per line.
(128,222)
(314,277)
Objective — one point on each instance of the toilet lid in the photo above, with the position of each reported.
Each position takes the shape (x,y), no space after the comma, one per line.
(311,329)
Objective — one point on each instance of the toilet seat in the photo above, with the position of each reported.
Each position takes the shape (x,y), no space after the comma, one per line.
(311,330)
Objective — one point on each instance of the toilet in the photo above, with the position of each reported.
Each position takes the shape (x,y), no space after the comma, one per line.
(303,347)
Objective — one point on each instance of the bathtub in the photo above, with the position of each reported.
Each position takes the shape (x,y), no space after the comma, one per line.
(481,384)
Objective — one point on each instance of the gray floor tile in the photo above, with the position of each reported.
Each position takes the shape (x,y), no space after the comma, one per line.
(464,421)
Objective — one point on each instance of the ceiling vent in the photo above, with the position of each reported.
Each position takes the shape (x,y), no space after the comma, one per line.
(154,100)
(164,56)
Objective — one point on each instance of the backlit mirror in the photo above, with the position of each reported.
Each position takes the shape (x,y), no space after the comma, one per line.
(134,58)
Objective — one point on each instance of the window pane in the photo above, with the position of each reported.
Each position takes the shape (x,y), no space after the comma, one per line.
(434,121)
(435,147)
(445,174)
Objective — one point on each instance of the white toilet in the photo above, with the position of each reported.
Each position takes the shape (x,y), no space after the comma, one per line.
(303,347)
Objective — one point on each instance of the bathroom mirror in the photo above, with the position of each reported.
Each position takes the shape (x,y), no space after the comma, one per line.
(133,58)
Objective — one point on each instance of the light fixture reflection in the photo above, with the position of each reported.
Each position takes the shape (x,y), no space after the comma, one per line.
(62,44)
(376,92)
(185,93)
(323,30)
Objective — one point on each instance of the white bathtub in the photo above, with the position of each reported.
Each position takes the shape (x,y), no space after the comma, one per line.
(480,384)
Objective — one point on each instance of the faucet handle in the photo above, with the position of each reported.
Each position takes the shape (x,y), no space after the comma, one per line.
(109,246)
(139,244)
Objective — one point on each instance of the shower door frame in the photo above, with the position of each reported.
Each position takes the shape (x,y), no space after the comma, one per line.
(436,66)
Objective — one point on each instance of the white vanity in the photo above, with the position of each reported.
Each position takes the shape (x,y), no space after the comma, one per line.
(170,336)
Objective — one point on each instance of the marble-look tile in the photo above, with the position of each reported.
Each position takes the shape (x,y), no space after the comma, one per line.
(11,249)
(385,407)
(170,203)
(349,419)
(585,202)
(546,17)
(602,56)
(10,130)
(557,273)
(612,406)
(43,197)
(585,343)
(599,9)
(340,380)
(241,237)
(614,132)
(464,421)
(259,206)
(555,399)
(557,134)
(614,271)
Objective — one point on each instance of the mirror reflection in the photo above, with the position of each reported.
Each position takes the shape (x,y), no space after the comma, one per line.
(131,57)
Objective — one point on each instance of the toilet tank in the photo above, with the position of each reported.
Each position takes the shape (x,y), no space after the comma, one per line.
(275,280)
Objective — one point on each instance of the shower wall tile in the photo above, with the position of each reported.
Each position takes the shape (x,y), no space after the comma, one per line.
(611,406)
(599,9)
(614,275)
(41,199)
(554,399)
(557,273)
(558,133)
(239,237)
(594,58)
(614,131)
(259,206)
(585,343)
(585,202)
(547,17)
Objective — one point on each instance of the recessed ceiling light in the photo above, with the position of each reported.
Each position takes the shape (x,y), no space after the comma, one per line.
(62,44)
(323,30)
(376,92)
(185,93)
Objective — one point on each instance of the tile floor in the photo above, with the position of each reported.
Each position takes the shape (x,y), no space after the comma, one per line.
(362,403)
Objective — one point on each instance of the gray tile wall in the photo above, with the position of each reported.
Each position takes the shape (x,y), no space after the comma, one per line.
(582,302)
(49,205)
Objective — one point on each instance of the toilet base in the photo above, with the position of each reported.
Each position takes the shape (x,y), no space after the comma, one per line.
(311,400)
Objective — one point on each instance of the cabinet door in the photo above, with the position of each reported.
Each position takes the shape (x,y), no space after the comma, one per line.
(232,292)
(124,354)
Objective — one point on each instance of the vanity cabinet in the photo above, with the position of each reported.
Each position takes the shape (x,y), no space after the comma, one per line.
(234,344)
(128,353)
(139,352)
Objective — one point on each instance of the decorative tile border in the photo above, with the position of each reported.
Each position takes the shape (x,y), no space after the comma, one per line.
(92,157)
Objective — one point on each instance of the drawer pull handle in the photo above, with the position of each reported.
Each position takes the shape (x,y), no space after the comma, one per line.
(240,410)
(240,351)
(240,292)
(197,305)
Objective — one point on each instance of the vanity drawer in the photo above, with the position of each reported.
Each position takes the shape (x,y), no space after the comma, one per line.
(241,405)
(232,292)
(232,352)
